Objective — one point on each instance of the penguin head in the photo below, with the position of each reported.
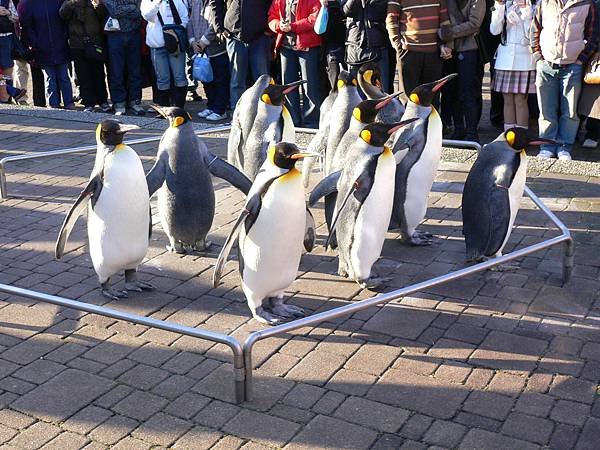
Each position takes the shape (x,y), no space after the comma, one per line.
(424,94)
(518,138)
(175,115)
(367,110)
(285,154)
(371,73)
(110,132)
(377,134)
(346,79)
(274,94)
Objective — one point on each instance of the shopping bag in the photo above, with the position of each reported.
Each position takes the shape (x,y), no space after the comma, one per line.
(202,70)
(321,22)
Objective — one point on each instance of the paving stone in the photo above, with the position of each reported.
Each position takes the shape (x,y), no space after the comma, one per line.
(216,414)
(30,350)
(303,396)
(573,389)
(400,322)
(477,421)
(444,433)
(590,436)
(162,429)
(479,378)
(564,345)
(250,425)
(570,413)
(15,385)
(539,382)
(416,426)
(388,441)
(316,368)
(507,384)
(372,414)
(418,393)
(529,428)
(228,443)
(327,432)
(373,359)
(129,443)
(489,404)
(87,419)
(508,352)
(534,404)
(62,396)
(591,350)
(292,413)
(140,405)
(466,333)
(113,396)
(479,439)
(143,377)
(35,436)
(66,441)
(412,445)
(564,436)
(113,430)
(351,382)
(328,403)
(416,363)
(6,434)
(218,384)
(39,371)
(187,405)
(449,349)
(198,438)
(453,372)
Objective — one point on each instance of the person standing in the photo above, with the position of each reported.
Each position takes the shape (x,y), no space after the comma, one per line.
(46,34)
(168,66)
(413,30)
(367,39)
(244,24)
(564,35)
(85,19)
(514,70)
(299,46)
(204,39)
(124,56)
(8,21)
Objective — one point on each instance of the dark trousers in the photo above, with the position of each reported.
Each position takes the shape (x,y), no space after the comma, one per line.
(217,91)
(92,84)
(124,55)
(419,68)
(592,129)
(465,94)
(39,90)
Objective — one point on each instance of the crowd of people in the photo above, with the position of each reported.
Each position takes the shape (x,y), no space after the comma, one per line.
(114,48)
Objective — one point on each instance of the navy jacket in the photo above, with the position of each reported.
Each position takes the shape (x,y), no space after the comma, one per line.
(44,31)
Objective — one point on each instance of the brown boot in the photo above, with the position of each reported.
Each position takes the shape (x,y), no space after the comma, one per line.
(4,97)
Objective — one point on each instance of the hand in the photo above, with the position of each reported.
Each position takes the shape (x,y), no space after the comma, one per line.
(196,47)
(445,52)
(285,27)
(4,11)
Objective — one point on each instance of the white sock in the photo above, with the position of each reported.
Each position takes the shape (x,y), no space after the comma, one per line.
(508,126)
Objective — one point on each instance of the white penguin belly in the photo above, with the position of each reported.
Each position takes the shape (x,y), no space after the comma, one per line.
(515,194)
(373,219)
(272,249)
(118,224)
(421,175)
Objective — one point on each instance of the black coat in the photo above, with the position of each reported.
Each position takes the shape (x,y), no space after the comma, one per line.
(366,30)
(245,20)
(83,21)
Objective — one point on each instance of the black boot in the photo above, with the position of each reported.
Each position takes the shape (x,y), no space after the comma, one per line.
(178,96)
(163,98)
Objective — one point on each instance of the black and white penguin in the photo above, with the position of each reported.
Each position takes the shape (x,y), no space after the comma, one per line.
(272,124)
(365,189)
(243,119)
(182,177)
(119,222)
(493,191)
(417,150)
(271,230)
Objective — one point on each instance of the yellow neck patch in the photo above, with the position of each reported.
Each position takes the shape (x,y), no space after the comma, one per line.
(414,98)
(266,99)
(387,151)
(120,147)
(178,121)
(366,136)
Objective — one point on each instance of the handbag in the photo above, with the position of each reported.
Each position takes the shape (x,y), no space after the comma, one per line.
(201,69)
(112,24)
(321,22)
(592,70)
(174,34)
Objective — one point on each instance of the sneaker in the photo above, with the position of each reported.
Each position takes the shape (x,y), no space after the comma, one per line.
(589,143)
(19,95)
(204,114)
(214,117)
(88,109)
(564,155)
(546,154)
(137,107)
(70,107)
(120,109)
(105,107)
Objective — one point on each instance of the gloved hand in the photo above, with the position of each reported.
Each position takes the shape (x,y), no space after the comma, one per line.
(445,33)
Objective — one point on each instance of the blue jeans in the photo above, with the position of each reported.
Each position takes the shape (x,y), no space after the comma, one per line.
(384,67)
(124,56)
(292,63)
(217,91)
(167,65)
(558,93)
(6,45)
(246,59)
(58,83)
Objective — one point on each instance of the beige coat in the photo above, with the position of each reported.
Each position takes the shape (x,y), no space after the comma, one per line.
(589,101)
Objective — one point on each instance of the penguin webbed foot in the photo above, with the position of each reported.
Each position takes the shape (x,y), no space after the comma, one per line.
(201,245)
(138,286)
(268,318)
(279,308)
(176,247)
(419,239)
(506,267)
(114,294)
(373,283)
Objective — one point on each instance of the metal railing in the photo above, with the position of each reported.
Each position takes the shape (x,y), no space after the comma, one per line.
(81,149)
(242,354)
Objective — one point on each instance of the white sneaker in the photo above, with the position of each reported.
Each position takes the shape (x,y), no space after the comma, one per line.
(214,117)
(120,109)
(564,155)
(546,154)
(589,143)
(205,113)
(88,109)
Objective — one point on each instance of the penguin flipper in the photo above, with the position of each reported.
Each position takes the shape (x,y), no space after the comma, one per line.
(229,173)
(222,259)
(326,186)
(90,192)
(156,176)
(234,144)
(310,235)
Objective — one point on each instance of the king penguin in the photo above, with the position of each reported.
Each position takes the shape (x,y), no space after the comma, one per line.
(271,230)
(369,81)
(417,150)
(493,192)
(119,222)
(243,119)
(182,177)
(362,213)
(272,124)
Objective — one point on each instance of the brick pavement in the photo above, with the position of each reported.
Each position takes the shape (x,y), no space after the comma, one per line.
(495,360)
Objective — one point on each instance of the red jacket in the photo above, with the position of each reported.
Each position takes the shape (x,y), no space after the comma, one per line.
(306,14)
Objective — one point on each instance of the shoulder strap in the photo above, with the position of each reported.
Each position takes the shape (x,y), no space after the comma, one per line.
(175,13)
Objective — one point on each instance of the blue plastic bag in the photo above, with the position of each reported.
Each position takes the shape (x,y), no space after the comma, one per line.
(202,70)
(321,22)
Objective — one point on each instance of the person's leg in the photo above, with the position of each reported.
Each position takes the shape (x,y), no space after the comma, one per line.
(21,77)
(259,50)
(548,92)
(134,67)
(177,67)
(290,72)
(570,79)
(85,70)
(592,128)
(116,75)
(432,71)
(387,82)
(160,61)
(64,84)
(470,92)
(448,93)
(521,110)
(309,65)
(50,79)
(99,82)
(510,116)
(496,104)
(410,65)
(238,64)
(39,88)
